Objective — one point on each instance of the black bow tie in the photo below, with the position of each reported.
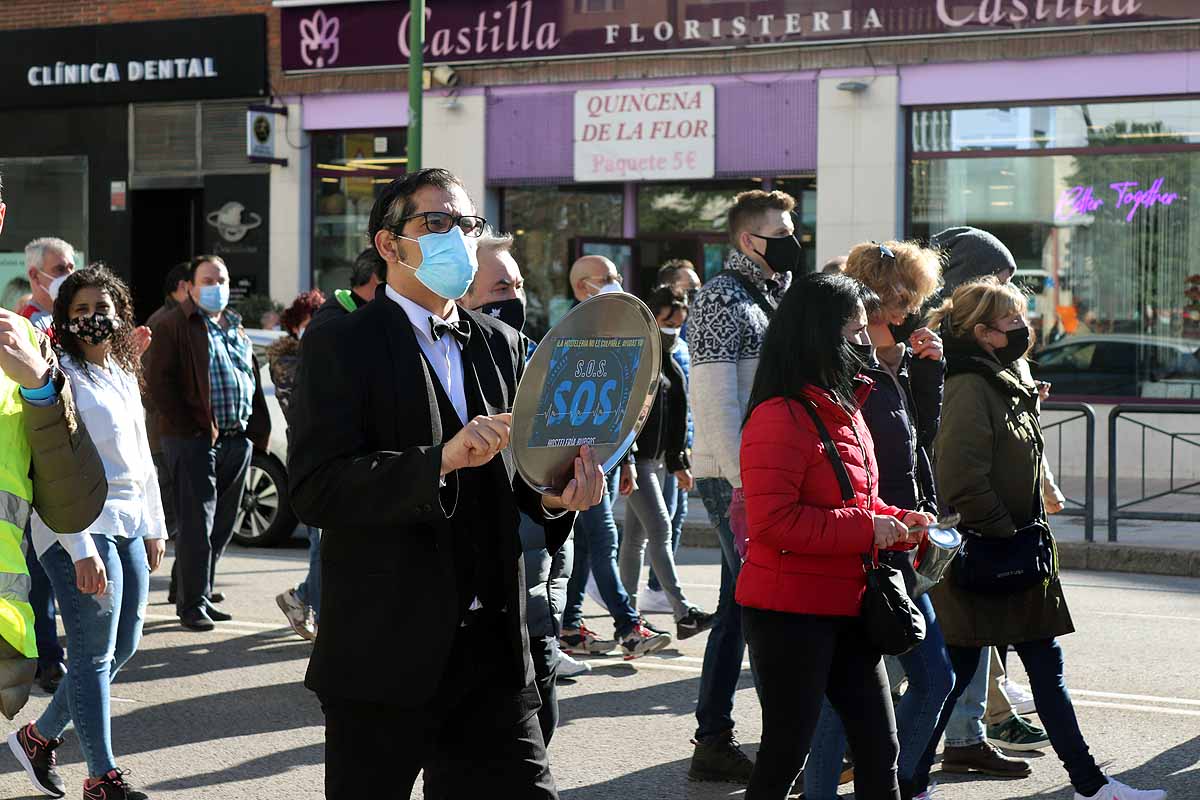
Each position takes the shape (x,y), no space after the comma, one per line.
(459,330)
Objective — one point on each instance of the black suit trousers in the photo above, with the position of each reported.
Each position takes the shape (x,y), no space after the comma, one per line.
(474,734)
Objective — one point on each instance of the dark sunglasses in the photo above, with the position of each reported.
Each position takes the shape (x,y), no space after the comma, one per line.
(442,222)
(886,252)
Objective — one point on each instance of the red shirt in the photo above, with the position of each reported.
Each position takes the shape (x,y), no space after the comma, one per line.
(806,547)
(42,320)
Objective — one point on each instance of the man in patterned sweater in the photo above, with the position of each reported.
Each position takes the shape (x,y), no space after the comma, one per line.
(725,332)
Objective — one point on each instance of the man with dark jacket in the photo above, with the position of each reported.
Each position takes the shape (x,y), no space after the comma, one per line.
(364,279)
(406,401)
(204,381)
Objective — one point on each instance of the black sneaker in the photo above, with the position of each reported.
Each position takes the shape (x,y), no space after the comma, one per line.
(111,787)
(695,622)
(720,758)
(36,755)
(645,623)
(217,597)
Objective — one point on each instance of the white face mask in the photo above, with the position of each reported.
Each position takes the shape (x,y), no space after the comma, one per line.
(669,331)
(55,284)
(608,288)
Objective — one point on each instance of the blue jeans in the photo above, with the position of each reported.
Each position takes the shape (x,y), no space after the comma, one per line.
(965,727)
(309,592)
(41,597)
(103,631)
(677,508)
(596,547)
(930,679)
(725,649)
(1043,660)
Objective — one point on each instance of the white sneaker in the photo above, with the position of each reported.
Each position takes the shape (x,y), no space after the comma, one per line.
(299,616)
(1115,790)
(654,602)
(1019,696)
(593,591)
(569,667)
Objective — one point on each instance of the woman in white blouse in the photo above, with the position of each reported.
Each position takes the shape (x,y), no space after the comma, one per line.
(101,576)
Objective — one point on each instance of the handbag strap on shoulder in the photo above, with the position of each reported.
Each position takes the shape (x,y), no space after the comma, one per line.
(835,460)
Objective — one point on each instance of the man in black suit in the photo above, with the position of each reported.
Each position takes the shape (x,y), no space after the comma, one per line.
(405,401)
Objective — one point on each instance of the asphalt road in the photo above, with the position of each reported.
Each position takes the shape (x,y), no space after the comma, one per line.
(223,715)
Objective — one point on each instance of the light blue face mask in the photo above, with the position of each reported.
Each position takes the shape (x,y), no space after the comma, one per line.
(213,299)
(448,262)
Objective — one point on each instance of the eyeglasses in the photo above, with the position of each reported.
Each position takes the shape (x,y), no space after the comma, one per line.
(886,252)
(442,222)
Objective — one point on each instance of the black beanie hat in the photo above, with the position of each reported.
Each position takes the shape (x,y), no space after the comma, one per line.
(969,253)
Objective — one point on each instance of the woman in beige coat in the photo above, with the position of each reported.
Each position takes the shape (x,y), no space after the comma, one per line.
(988,463)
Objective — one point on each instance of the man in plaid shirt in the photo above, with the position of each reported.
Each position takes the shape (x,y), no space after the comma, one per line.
(209,421)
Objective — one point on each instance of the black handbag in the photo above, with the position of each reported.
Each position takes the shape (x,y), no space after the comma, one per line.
(892,622)
(999,565)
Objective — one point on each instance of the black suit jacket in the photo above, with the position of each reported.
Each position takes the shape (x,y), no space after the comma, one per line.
(364,466)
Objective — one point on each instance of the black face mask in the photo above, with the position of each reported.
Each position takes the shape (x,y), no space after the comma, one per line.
(782,253)
(93,329)
(668,341)
(511,312)
(902,332)
(1018,343)
(864,352)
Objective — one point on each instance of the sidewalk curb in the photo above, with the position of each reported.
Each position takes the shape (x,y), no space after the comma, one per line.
(1094,557)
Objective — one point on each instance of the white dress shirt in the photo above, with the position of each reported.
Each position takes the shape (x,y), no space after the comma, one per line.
(109,403)
(445,354)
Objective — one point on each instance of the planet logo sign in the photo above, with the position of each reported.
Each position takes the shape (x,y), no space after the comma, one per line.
(233,222)
(586,392)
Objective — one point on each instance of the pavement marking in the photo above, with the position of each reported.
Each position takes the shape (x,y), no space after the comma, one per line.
(263,626)
(1147,698)
(1171,617)
(1146,709)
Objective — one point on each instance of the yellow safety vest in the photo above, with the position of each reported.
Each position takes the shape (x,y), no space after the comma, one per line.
(16,502)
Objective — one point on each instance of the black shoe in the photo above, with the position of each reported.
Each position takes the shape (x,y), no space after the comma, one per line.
(37,757)
(196,619)
(217,597)
(695,622)
(652,628)
(50,675)
(720,759)
(112,787)
(216,614)
(171,591)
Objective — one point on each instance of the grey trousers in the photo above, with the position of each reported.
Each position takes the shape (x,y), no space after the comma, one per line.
(648,530)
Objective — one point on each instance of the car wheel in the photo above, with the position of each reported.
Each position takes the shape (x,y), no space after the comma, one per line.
(265,517)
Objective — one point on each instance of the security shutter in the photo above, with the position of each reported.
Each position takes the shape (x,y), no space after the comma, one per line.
(177,144)
(164,138)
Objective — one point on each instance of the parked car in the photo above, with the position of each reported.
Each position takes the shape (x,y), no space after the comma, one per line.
(1121,365)
(266,516)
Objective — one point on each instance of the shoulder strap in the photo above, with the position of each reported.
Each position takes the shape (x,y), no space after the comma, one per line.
(835,460)
(760,299)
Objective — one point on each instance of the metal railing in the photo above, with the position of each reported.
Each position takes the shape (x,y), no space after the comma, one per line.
(1074,507)
(1118,510)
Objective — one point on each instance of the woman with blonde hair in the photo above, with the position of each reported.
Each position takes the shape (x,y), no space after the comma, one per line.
(904,363)
(1004,587)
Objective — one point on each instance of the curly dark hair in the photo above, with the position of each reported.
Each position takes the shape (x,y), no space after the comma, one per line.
(301,309)
(122,346)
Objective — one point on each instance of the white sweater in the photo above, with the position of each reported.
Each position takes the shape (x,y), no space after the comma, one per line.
(725,334)
(110,405)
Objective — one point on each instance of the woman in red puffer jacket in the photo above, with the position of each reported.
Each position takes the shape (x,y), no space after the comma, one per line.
(802,583)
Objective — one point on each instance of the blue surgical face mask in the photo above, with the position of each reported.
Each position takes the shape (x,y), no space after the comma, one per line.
(213,299)
(448,262)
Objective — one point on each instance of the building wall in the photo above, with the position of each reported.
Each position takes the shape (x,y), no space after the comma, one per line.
(290,231)
(860,162)
(454,138)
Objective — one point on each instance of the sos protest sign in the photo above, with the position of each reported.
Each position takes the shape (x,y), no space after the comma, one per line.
(654,133)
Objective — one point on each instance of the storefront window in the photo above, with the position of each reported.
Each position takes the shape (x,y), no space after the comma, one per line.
(350,169)
(48,197)
(544,221)
(1104,244)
